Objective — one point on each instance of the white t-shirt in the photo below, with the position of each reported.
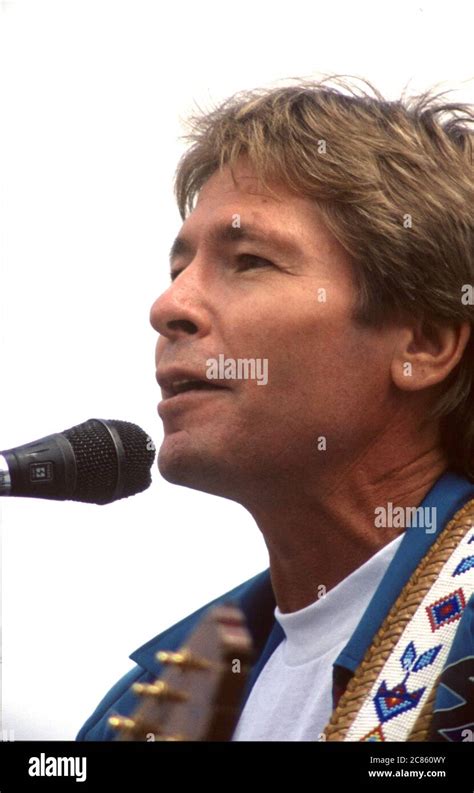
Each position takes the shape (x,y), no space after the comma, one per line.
(291,699)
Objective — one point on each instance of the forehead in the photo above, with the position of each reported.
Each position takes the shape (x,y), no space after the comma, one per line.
(281,217)
(249,203)
(228,211)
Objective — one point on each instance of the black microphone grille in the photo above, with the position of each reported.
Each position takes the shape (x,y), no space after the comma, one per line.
(113,459)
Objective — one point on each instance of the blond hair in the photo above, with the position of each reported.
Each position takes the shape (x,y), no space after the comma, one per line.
(394,183)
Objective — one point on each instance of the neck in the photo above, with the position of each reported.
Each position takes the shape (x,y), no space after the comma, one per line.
(317,532)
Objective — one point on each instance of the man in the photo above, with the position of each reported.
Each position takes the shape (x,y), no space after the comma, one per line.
(330,250)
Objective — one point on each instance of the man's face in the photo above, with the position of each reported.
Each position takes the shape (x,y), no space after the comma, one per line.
(289,305)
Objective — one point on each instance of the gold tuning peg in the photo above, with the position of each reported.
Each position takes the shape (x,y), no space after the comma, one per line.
(122,723)
(130,726)
(184,658)
(161,690)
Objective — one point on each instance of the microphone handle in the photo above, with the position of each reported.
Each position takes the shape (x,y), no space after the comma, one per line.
(45,468)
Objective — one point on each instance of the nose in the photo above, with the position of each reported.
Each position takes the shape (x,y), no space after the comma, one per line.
(178,312)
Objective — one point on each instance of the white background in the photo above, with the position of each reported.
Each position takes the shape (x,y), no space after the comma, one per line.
(92,97)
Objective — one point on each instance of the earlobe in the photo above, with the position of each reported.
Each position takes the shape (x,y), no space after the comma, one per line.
(427,354)
(408,374)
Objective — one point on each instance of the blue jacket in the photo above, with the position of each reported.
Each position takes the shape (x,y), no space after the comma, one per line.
(454,705)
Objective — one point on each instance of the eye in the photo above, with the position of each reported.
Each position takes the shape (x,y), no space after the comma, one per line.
(248,261)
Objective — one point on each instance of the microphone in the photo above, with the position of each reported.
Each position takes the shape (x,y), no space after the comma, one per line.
(96,462)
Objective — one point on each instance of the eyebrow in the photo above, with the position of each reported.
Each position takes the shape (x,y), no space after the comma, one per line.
(225,233)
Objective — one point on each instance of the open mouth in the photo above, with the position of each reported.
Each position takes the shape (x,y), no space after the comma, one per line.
(181,386)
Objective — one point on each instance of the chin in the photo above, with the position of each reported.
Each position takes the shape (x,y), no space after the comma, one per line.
(180,464)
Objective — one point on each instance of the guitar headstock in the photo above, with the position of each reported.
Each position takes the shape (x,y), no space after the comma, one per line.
(197,697)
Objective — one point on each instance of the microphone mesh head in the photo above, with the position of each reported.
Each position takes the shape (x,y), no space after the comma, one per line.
(101,465)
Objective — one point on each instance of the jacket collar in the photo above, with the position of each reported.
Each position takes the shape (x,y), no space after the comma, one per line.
(449,493)
(256,599)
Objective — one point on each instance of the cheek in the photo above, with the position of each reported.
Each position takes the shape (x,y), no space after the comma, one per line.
(325,363)
(310,345)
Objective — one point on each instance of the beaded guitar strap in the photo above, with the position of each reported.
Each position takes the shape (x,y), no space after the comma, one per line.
(391,695)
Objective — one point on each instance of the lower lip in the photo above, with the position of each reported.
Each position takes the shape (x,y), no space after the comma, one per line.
(181,400)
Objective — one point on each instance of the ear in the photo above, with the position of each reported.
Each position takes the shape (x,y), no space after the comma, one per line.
(425,354)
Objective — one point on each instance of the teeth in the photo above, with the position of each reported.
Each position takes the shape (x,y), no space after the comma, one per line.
(182,385)
(177,383)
